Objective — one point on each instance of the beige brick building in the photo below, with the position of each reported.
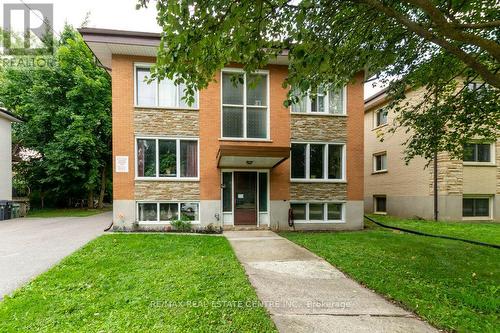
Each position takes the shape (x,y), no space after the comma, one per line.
(467,190)
(235,157)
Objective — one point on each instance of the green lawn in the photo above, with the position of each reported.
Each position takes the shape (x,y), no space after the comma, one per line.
(63,212)
(140,283)
(488,232)
(453,285)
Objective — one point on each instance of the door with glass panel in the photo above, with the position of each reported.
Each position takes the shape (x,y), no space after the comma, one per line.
(245,198)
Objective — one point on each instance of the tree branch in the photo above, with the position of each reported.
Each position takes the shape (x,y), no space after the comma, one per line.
(482,70)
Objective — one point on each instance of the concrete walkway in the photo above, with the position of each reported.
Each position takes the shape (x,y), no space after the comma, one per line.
(30,246)
(304,293)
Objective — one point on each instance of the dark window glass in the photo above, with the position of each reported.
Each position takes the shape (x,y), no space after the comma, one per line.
(477,152)
(189,158)
(316,211)
(299,211)
(381,117)
(334,211)
(334,161)
(168,158)
(316,158)
(479,207)
(380,204)
(169,211)
(232,122)
(227,192)
(256,123)
(190,211)
(298,160)
(262,192)
(146,158)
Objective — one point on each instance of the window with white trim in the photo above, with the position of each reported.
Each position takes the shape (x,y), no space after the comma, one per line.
(317,212)
(317,161)
(164,93)
(478,152)
(166,158)
(380,162)
(332,101)
(476,207)
(380,117)
(245,110)
(168,211)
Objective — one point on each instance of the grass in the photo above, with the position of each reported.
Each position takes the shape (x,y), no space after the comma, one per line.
(488,232)
(140,283)
(65,212)
(453,285)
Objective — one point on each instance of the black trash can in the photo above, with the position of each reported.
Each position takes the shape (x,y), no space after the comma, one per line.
(5,210)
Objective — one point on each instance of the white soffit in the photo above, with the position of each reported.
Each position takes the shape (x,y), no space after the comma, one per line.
(103,51)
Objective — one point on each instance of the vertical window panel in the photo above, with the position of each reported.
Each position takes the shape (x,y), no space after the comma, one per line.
(227,192)
(189,158)
(190,211)
(148,211)
(256,123)
(232,124)
(146,92)
(316,212)
(298,160)
(167,158)
(146,158)
(334,211)
(167,93)
(316,161)
(335,161)
(257,90)
(231,93)
(336,101)
(169,211)
(298,211)
(262,192)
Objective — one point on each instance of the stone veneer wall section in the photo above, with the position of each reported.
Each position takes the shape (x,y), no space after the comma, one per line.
(166,122)
(318,191)
(167,190)
(319,128)
(450,176)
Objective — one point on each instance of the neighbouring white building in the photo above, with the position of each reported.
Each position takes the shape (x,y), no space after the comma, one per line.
(6,120)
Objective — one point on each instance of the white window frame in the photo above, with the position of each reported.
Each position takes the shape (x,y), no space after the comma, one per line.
(325,212)
(327,105)
(178,161)
(375,206)
(244,106)
(145,65)
(325,178)
(375,118)
(491,205)
(492,161)
(158,221)
(374,160)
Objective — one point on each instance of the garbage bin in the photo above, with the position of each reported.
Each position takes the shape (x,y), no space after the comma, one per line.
(5,210)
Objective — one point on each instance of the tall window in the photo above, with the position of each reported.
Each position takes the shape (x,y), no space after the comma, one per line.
(317,212)
(380,162)
(159,94)
(476,207)
(324,101)
(317,161)
(477,152)
(167,158)
(244,105)
(380,117)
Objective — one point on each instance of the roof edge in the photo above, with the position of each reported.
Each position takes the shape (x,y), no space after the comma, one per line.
(10,116)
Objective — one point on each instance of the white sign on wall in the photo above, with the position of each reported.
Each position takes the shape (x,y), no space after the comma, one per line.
(121,163)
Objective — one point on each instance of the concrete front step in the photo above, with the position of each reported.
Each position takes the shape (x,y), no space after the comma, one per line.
(245,227)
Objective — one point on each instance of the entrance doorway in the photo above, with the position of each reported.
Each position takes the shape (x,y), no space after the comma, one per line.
(245,198)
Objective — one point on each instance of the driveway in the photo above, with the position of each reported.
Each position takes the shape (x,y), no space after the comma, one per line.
(30,246)
(304,293)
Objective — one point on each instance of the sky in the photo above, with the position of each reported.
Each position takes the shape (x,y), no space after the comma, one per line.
(108,14)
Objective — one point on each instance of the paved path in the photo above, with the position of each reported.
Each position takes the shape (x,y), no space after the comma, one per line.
(30,246)
(304,293)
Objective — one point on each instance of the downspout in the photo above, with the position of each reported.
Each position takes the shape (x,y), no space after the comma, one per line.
(436,210)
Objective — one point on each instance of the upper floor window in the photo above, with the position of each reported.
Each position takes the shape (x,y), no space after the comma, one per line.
(317,161)
(159,94)
(245,110)
(380,162)
(380,117)
(477,152)
(167,158)
(324,102)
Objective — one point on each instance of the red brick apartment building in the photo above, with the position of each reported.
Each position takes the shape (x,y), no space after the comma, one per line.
(237,156)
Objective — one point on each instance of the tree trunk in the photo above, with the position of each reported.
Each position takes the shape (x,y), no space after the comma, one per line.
(103,187)
(42,199)
(90,200)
